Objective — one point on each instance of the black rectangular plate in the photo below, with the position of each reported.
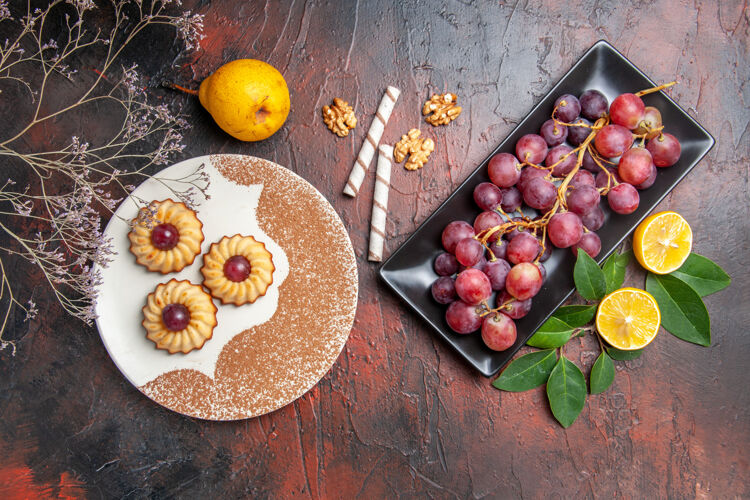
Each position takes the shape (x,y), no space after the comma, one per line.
(409,271)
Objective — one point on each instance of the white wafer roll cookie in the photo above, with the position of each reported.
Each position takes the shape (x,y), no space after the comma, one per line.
(380,203)
(372,139)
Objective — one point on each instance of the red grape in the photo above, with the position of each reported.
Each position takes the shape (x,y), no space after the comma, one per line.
(547,250)
(524,281)
(583,178)
(165,236)
(649,181)
(565,229)
(553,133)
(613,140)
(589,163)
(469,251)
(236,268)
(479,265)
(623,199)
(540,193)
(523,248)
(516,309)
(576,135)
(527,174)
(175,317)
(455,232)
(497,272)
(499,248)
(473,286)
(556,154)
(504,170)
(594,219)
(486,220)
(542,270)
(627,110)
(531,148)
(593,104)
(590,243)
(516,230)
(444,290)
(487,196)
(665,149)
(568,108)
(511,199)
(650,123)
(635,165)
(602,179)
(498,332)
(582,199)
(446,264)
(463,318)
(482,264)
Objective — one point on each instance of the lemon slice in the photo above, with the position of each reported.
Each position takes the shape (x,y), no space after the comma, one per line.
(628,319)
(662,242)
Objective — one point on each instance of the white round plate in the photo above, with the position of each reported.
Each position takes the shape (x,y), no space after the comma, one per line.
(264,355)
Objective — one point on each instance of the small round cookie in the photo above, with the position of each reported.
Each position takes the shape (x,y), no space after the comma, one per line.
(166,236)
(237,269)
(179,316)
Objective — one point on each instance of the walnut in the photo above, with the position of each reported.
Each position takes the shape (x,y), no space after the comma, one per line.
(340,117)
(401,149)
(443,109)
(418,149)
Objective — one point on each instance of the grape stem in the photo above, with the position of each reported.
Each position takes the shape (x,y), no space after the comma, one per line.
(487,310)
(544,240)
(601,122)
(655,89)
(487,247)
(611,181)
(504,305)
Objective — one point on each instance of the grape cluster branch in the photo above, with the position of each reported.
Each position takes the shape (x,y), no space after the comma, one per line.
(539,224)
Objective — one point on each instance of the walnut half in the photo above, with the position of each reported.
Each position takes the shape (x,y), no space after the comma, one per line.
(417,148)
(443,108)
(339,117)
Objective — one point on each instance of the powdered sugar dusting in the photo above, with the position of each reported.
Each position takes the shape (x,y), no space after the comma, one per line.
(272,364)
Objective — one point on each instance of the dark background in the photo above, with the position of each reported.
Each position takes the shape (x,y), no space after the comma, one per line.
(399,414)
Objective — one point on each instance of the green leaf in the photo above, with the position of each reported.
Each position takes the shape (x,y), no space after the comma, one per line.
(683,313)
(702,274)
(623,355)
(602,374)
(624,258)
(553,333)
(566,390)
(575,315)
(614,270)
(527,372)
(589,279)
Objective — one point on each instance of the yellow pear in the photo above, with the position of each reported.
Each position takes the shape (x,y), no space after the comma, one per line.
(248,99)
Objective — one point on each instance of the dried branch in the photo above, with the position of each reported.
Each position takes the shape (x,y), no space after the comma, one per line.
(76,183)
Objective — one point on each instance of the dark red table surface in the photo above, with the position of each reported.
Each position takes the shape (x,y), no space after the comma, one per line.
(399,414)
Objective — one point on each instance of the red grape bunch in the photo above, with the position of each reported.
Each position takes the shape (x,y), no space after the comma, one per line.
(548,194)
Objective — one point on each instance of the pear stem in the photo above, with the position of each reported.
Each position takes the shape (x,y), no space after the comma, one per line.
(174,86)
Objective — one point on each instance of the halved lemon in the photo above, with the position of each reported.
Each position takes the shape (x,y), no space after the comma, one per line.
(662,242)
(628,319)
